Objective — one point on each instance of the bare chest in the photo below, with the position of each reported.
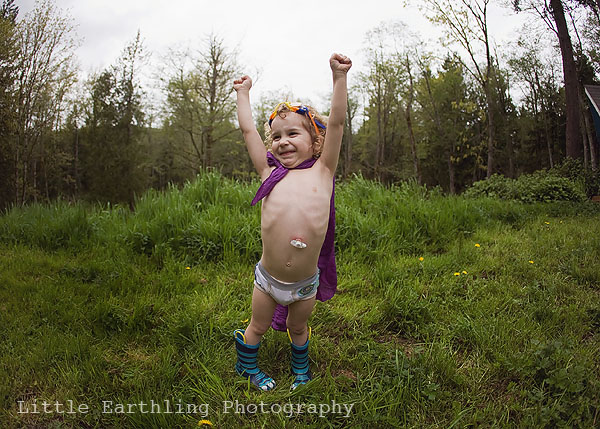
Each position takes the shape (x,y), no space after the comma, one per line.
(300,192)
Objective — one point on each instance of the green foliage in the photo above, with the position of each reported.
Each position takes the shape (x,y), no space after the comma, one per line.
(562,391)
(39,87)
(200,125)
(538,129)
(8,68)
(574,170)
(111,154)
(187,223)
(60,225)
(449,123)
(541,186)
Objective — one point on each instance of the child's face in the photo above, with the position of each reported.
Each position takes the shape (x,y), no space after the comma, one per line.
(292,143)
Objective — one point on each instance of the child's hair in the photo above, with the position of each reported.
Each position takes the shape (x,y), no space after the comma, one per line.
(282,109)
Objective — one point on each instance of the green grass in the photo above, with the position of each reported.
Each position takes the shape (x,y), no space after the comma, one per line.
(98,304)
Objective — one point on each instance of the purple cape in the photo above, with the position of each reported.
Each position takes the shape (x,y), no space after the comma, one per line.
(326,263)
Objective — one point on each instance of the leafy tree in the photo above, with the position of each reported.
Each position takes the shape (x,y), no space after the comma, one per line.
(553,14)
(200,108)
(505,123)
(466,23)
(409,99)
(111,155)
(591,35)
(540,88)
(593,6)
(450,123)
(45,75)
(348,138)
(380,137)
(583,50)
(8,56)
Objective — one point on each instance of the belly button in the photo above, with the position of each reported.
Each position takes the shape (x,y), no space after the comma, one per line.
(288,264)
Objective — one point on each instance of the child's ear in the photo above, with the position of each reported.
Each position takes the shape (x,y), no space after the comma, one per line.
(317,147)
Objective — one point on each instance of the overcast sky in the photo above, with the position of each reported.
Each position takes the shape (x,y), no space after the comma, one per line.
(288,41)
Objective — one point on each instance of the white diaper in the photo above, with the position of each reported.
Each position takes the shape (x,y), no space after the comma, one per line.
(285,293)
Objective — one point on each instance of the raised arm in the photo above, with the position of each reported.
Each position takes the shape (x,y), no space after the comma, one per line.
(340,65)
(254,143)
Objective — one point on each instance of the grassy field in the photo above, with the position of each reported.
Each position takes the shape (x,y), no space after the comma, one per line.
(450,312)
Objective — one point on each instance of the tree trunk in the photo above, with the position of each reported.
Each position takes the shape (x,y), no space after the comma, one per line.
(584,143)
(76,163)
(379,148)
(490,111)
(16,175)
(439,133)
(573,132)
(548,140)
(348,146)
(490,132)
(209,146)
(589,132)
(45,172)
(591,137)
(596,10)
(413,145)
(510,149)
(543,113)
(451,175)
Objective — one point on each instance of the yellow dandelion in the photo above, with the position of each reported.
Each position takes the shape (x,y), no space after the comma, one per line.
(205,422)
(421,259)
(477,245)
(188,268)
(457,274)
(531,262)
(547,223)
(464,272)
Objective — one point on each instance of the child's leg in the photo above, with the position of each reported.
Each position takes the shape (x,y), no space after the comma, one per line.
(299,333)
(247,342)
(263,307)
(297,320)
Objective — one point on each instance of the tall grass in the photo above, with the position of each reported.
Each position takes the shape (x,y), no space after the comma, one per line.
(211,219)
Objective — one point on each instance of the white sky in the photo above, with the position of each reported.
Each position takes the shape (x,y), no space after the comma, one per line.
(288,41)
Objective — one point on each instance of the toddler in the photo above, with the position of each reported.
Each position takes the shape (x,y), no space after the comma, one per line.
(297,265)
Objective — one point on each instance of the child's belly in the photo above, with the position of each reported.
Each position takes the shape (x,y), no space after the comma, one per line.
(283,219)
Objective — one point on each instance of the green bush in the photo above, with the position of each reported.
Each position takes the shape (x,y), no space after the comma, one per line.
(541,186)
(574,170)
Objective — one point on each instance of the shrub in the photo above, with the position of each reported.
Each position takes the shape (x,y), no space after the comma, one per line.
(574,170)
(541,186)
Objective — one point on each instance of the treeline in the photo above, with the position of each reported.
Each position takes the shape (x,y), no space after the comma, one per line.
(441,119)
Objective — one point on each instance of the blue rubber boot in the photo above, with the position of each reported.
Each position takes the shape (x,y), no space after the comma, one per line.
(300,365)
(246,364)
